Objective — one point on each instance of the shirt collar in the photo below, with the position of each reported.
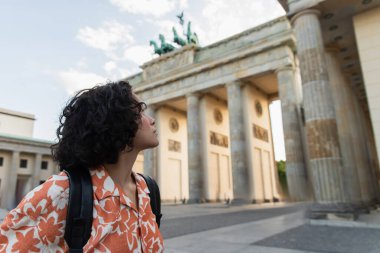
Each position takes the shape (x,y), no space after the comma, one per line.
(104,187)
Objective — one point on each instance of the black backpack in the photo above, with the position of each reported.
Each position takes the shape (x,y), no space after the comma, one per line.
(79,211)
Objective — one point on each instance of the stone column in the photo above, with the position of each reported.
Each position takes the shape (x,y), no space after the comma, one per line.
(9,193)
(373,157)
(320,122)
(194,149)
(346,124)
(365,172)
(295,163)
(37,171)
(150,162)
(240,175)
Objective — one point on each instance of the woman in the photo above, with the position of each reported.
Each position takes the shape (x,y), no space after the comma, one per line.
(101,129)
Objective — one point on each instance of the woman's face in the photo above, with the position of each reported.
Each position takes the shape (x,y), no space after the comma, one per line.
(146,136)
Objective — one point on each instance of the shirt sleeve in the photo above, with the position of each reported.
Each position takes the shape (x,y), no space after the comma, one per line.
(38,221)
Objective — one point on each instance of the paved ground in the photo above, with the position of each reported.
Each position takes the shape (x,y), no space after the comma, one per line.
(326,239)
(183,220)
(270,229)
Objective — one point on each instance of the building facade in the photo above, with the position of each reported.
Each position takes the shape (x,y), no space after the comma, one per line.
(211,109)
(25,162)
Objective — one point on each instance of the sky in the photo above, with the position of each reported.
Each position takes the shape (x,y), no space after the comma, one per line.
(50,49)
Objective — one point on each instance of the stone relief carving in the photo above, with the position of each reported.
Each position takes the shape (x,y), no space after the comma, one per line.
(174,146)
(258,108)
(218,116)
(173,125)
(260,133)
(218,139)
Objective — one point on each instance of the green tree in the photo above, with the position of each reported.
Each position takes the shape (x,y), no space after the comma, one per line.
(281,169)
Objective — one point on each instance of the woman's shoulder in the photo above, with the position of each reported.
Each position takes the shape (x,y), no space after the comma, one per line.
(39,218)
(53,193)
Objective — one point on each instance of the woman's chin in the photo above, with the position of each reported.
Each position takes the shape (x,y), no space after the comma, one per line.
(156,144)
(152,145)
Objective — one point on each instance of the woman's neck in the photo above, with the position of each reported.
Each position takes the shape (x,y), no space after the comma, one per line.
(121,171)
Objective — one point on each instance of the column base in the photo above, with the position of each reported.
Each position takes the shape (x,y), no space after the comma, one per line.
(367,206)
(348,211)
(240,201)
(374,203)
(195,201)
(260,201)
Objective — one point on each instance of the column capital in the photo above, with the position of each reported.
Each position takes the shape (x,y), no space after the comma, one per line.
(305,12)
(236,82)
(285,68)
(193,94)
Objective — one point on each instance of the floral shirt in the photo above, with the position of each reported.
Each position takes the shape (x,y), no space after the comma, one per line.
(37,224)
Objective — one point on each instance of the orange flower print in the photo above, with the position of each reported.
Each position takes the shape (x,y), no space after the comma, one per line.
(3,243)
(33,211)
(51,229)
(25,243)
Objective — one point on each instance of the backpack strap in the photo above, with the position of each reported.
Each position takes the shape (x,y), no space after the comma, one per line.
(155,198)
(79,210)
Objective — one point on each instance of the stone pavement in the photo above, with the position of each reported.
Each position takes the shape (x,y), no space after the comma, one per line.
(236,238)
(287,233)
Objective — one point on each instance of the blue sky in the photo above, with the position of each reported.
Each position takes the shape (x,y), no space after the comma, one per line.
(50,49)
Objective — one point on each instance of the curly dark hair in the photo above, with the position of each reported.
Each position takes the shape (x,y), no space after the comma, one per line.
(96,125)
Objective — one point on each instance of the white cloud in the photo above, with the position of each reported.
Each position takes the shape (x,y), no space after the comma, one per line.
(109,66)
(114,71)
(74,80)
(109,37)
(183,4)
(82,64)
(139,54)
(225,18)
(165,27)
(155,8)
